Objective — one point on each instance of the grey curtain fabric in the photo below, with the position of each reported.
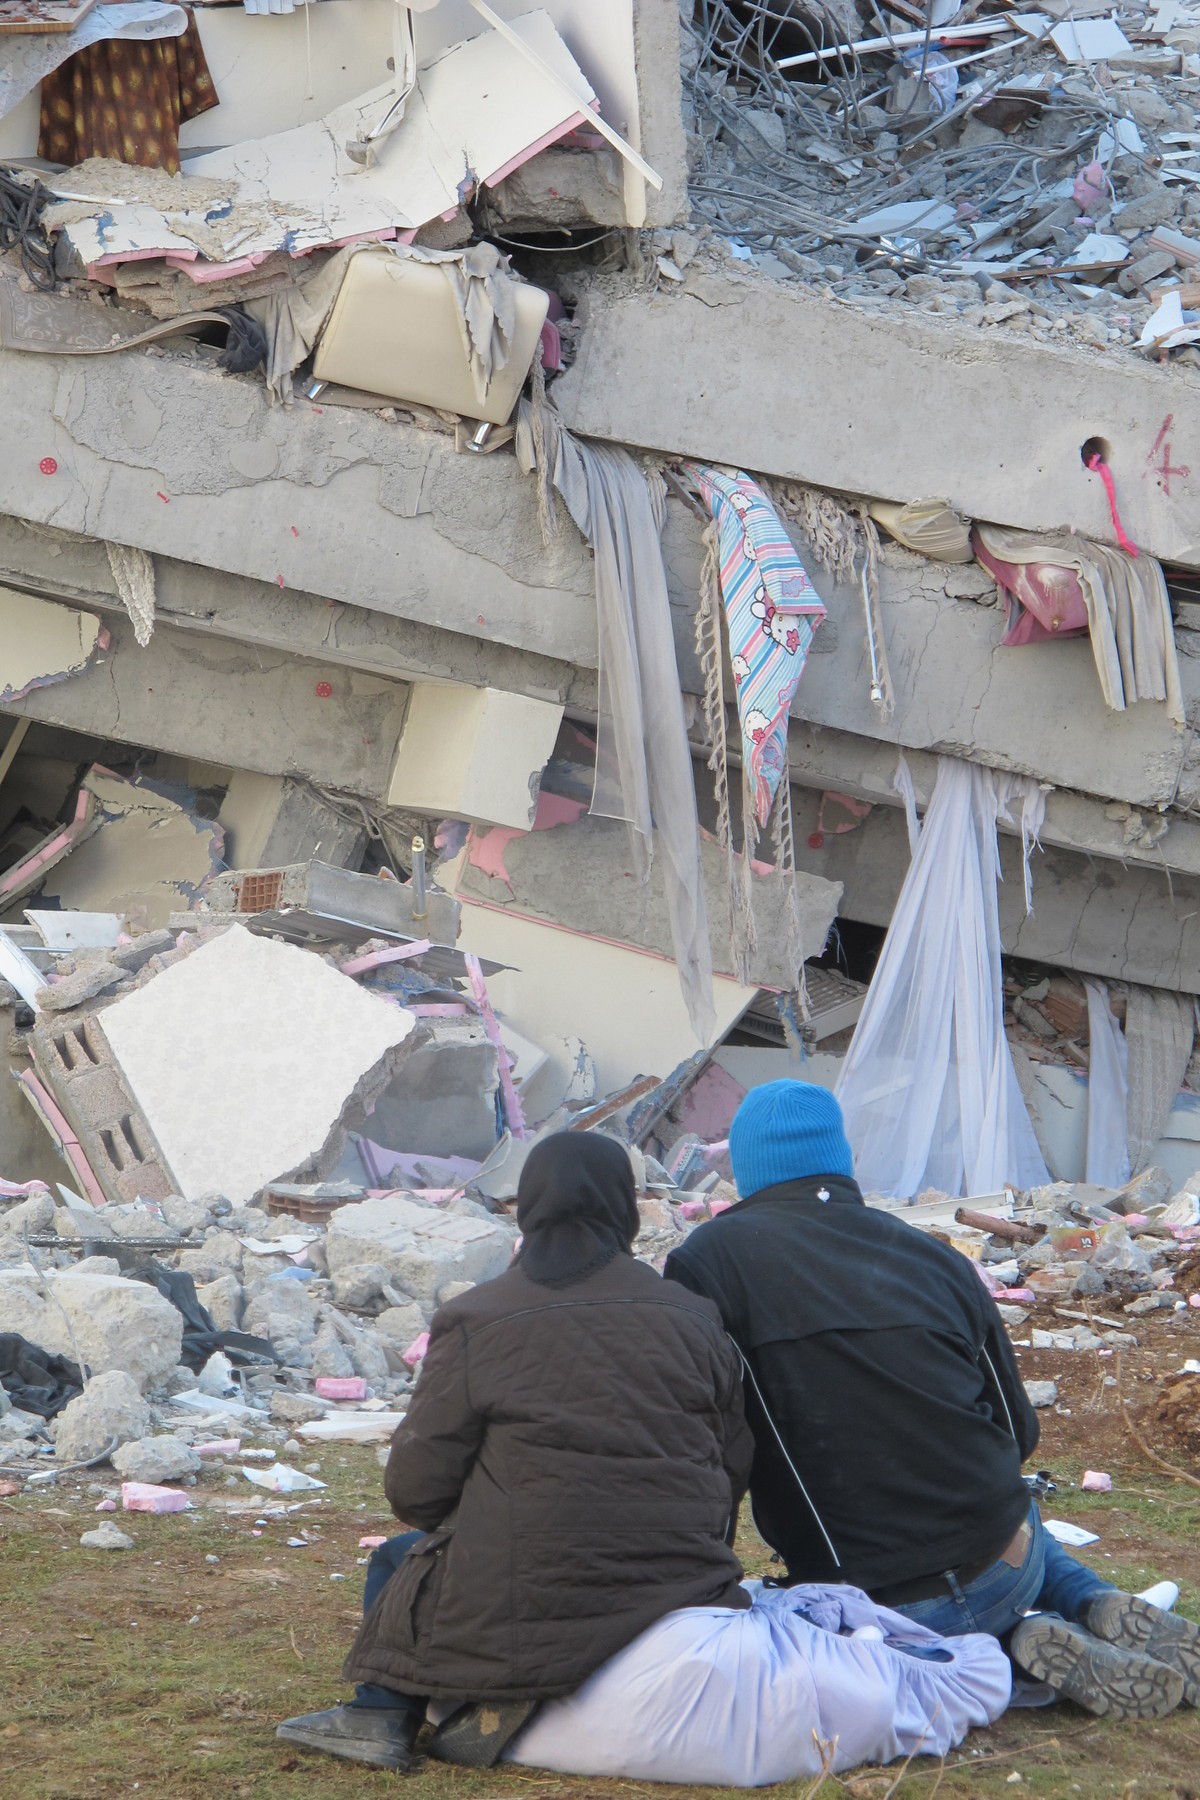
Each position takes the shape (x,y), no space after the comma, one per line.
(1159,1029)
(643,764)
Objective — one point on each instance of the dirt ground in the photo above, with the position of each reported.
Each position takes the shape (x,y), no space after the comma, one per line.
(162,1671)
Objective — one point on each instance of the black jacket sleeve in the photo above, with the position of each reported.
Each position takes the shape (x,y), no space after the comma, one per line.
(678,1268)
(1009,1399)
(435,1448)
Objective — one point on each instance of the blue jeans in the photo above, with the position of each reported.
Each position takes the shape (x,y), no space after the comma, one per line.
(1047,1581)
(381,1566)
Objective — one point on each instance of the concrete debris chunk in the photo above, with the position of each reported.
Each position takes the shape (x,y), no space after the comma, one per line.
(420,1246)
(100,976)
(106,1536)
(109,1322)
(296,1409)
(156,1460)
(1041,1393)
(110,1408)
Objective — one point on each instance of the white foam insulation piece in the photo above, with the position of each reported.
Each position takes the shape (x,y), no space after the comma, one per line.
(244,1055)
(42,643)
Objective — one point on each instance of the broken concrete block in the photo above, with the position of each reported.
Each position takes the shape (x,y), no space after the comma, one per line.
(35,1214)
(270,820)
(1160,207)
(296,1409)
(72,1062)
(252,1016)
(1153,1187)
(136,955)
(368,1357)
(140,1224)
(443,1101)
(473,753)
(186,1216)
(222,1300)
(421,1247)
(100,976)
(109,1407)
(106,1536)
(110,1322)
(1041,1393)
(361,1283)
(329,1355)
(280,1311)
(156,1459)
(1184,1208)
(1146,269)
(399,1325)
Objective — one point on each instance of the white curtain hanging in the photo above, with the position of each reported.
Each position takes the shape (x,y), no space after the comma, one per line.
(928,1086)
(1108,1091)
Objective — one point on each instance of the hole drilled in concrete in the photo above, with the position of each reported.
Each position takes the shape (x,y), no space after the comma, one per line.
(1095,446)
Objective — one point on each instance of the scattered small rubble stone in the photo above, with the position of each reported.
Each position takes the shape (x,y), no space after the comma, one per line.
(106,1536)
(1041,1393)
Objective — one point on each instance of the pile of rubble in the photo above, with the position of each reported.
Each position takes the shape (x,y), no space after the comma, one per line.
(1077,1267)
(1032,167)
(229,1258)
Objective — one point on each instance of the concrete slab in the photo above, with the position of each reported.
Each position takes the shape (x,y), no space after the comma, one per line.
(248,1058)
(579,877)
(623,1003)
(967,430)
(148,857)
(267,711)
(269,820)
(1129,924)
(443,1101)
(182,460)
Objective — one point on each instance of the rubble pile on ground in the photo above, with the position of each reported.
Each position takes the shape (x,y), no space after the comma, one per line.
(230,1264)
(1075,1267)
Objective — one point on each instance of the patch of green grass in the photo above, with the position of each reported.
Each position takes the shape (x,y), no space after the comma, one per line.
(157,1674)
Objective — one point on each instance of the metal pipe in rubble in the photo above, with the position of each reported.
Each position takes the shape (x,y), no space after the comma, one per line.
(420,900)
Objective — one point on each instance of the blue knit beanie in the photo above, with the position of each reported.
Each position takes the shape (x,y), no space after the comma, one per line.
(784,1131)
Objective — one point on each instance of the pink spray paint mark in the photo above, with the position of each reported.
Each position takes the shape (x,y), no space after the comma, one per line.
(1098,466)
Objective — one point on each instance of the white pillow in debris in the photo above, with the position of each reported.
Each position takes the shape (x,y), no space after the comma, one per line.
(244,1056)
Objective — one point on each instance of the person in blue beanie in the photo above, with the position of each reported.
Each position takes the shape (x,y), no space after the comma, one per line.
(891,1423)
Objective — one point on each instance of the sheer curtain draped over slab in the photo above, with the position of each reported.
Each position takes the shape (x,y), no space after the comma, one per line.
(928,1086)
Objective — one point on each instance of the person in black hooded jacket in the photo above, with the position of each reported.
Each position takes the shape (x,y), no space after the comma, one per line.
(891,1422)
(573,1461)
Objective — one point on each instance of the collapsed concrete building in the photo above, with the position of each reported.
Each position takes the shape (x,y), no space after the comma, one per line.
(319,629)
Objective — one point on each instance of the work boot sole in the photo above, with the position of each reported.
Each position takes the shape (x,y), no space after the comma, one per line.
(477,1736)
(1105,1679)
(1125,1619)
(364,1750)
